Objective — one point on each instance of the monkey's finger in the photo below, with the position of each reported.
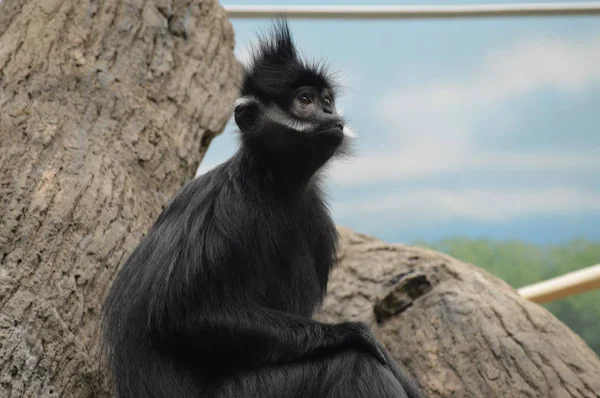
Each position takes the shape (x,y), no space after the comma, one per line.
(376,349)
(380,355)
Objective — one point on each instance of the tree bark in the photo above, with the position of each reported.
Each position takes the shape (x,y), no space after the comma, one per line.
(460,331)
(106,108)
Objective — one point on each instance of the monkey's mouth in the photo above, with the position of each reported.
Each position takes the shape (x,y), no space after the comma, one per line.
(332,126)
(332,134)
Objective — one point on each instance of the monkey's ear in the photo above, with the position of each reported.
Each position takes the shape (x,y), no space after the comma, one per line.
(246,113)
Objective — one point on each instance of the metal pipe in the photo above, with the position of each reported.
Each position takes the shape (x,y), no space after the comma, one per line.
(563,286)
(414,12)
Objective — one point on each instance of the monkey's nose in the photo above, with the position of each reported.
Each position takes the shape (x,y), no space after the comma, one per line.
(339,125)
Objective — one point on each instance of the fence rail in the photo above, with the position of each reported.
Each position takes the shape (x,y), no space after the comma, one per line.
(563,286)
(414,12)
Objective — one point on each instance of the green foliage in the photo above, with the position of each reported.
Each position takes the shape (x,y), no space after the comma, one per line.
(520,264)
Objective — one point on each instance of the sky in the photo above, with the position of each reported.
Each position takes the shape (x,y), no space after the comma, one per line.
(480,128)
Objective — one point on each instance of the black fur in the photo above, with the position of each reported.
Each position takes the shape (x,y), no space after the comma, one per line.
(217,299)
(276,68)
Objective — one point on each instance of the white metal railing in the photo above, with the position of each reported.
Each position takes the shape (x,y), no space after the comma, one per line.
(563,286)
(414,12)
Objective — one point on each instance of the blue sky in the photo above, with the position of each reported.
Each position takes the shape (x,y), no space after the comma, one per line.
(480,128)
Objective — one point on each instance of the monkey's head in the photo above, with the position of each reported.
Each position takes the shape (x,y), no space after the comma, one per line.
(287,107)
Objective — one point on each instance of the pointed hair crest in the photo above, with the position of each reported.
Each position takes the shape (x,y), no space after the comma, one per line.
(275,67)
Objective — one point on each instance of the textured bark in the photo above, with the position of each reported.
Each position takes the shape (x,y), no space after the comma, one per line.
(106,108)
(460,331)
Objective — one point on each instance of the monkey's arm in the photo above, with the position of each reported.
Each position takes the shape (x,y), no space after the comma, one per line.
(255,336)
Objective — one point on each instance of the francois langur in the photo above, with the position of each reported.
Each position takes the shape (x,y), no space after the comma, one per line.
(217,300)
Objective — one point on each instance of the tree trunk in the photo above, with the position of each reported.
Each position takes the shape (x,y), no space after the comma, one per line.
(460,331)
(106,108)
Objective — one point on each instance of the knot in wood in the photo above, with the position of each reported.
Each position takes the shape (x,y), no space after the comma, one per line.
(405,290)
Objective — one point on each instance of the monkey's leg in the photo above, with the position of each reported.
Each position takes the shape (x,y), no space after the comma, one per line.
(346,374)
(240,338)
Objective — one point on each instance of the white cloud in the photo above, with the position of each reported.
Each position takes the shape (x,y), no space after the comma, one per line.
(423,162)
(433,123)
(494,205)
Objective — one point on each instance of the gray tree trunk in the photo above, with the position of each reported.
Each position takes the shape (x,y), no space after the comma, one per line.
(106,109)
(460,331)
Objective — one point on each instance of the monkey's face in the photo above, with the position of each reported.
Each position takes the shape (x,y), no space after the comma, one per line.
(299,126)
(314,107)
(308,111)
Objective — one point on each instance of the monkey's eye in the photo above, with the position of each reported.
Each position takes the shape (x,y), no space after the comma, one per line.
(304,99)
(327,100)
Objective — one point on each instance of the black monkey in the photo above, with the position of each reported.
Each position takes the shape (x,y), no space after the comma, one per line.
(217,299)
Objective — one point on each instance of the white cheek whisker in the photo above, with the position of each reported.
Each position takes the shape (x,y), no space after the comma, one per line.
(349,132)
(277,115)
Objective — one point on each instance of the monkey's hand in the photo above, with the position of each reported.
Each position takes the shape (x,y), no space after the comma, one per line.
(359,335)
